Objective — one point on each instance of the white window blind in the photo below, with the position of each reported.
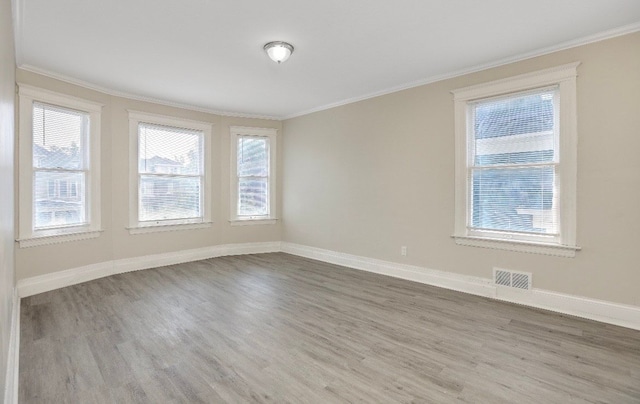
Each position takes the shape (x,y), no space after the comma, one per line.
(513,164)
(60,166)
(253,176)
(170,173)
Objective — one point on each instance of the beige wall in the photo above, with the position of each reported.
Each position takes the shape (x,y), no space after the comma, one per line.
(116,242)
(369,177)
(7,91)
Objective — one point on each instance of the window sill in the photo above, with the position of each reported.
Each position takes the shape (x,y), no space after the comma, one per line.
(167,227)
(249,222)
(39,240)
(519,246)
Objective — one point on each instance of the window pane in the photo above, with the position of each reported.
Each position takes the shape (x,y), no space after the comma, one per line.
(58,137)
(253,197)
(519,200)
(253,157)
(515,130)
(59,199)
(168,198)
(168,150)
(541,156)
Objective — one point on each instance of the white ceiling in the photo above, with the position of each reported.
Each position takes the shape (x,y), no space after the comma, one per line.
(207,54)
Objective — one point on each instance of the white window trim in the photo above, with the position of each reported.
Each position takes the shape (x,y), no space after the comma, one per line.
(271,134)
(565,77)
(27,235)
(137,227)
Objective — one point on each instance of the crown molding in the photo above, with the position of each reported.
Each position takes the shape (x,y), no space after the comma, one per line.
(600,36)
(137,97)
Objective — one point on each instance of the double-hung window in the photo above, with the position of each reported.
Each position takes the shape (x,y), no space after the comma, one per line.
(170,176)
(253,156)
(516,163)
(59,165)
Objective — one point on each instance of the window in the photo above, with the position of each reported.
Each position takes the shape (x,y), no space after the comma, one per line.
(253,156)
(59,186)
(516,147)
(170,173)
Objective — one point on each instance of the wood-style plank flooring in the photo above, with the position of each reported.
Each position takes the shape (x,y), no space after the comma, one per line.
(279,328)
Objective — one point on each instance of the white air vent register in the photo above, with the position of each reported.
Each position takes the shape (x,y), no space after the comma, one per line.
(512,279)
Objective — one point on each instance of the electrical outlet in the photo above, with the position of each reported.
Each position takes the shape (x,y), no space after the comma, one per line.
(403,250)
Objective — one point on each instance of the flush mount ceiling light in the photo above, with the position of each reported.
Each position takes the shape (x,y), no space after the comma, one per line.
(278,51)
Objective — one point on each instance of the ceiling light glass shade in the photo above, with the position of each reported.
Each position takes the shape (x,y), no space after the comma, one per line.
(278,51)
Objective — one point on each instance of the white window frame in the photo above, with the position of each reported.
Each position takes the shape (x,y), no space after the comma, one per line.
(137,227)
(28,236)
(564,245)
(271,134)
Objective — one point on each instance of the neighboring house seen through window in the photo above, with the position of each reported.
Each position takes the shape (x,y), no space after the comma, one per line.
(512,164)
(253,175)
(59,167)
(516,163)
(171,182)
(59,148)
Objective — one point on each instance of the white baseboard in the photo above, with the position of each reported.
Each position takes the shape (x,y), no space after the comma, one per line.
(584,307)
(592,309)
(11,380)
(599,310)
(447,280)
(44,283)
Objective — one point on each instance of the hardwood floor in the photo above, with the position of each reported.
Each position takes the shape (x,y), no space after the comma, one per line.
(279,328)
